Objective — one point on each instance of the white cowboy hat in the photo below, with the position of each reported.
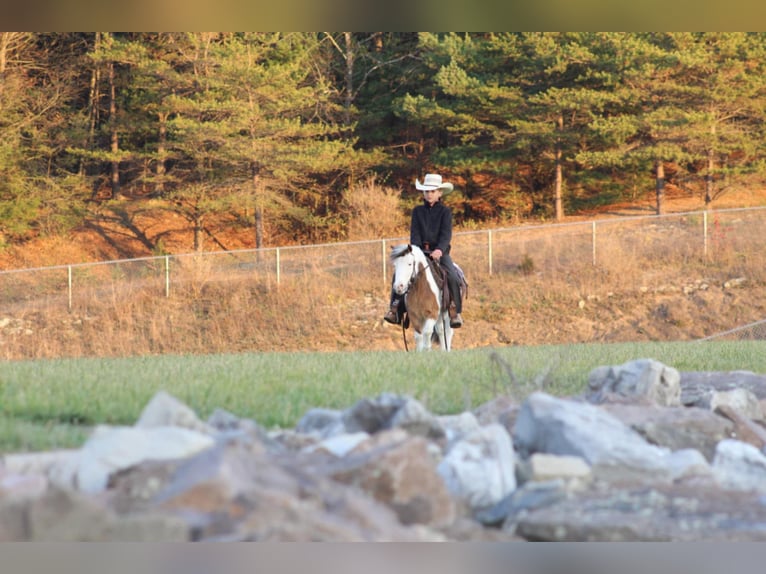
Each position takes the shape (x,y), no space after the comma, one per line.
(433,181)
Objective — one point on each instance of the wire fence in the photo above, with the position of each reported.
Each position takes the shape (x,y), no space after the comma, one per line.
(635,243)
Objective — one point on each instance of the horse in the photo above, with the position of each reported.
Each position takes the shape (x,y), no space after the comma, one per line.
(423,297)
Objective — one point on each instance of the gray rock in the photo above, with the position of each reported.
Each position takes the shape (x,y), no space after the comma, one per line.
(696,386)
(165,410)
(643,379)
(614,451)
(544,467)
(479,469)
(740,466)
(694,512)
(742,401)
(675,428)
(458,426)
(321,423)
(373,415)
(110,449)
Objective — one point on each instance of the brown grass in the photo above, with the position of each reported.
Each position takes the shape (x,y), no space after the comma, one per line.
(650,282)
(679,300)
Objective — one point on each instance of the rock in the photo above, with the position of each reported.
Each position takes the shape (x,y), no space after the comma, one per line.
(744,429)
(37,462)
(232,492)
(544,467)
(697,386)
(613,450)
(491,411)
(67,516)
(661,513)
(630,465)
(373,415)
(740,466)
(458,426)
(387,411)
(401,474)
(321,423)
(110,449)
(675,428)
(644,379)
(742,401)
(479,469)
(20,487)
(340,445)
(164,410)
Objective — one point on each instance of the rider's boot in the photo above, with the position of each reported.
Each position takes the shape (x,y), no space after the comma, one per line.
(455,319)
(393,316)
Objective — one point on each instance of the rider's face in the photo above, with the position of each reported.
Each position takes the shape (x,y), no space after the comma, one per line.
(432,195)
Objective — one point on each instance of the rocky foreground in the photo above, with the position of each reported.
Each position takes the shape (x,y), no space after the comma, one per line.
(647,453)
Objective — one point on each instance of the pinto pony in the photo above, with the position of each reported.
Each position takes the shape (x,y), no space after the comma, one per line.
(423,297)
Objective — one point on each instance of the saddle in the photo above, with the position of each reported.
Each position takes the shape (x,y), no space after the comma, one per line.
(440,275)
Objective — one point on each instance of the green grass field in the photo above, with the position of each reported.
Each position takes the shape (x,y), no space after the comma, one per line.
(50,404)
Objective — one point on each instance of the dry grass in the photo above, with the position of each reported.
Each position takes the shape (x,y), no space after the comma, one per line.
(653,280)
(631,297)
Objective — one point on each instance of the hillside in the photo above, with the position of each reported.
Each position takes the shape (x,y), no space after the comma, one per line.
(499,310)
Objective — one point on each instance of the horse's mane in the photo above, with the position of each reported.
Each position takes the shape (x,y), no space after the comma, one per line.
(400,250)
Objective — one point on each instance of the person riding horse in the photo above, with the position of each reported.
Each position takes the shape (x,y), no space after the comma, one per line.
(431,230)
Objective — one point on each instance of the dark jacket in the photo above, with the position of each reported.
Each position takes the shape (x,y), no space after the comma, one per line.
(431,225)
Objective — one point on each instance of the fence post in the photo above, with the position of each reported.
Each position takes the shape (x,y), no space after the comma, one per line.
(593,241)
(277,265)
(489,249)
(383,258)
(704,233)
(167,276)
(69,287)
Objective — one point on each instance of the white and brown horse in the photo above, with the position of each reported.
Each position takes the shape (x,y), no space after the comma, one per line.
(414,279)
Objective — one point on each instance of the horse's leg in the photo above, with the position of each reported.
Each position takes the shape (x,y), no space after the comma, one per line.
(424,344)
(448,332)
(439,327)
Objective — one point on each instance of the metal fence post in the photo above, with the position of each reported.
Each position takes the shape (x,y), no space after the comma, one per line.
(167,276)
(69,287)
(277,262)
(593,240)
(704,233)
(383,257)
(489,249)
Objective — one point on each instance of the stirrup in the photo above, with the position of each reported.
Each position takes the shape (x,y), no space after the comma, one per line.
(392,316)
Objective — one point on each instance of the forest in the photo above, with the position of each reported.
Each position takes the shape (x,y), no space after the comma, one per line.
(281,131)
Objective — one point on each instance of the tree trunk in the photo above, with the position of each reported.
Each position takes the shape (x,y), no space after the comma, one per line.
(559,171)
(709,174)
(162,138)
(115,145)
(660,187)
(349,79)
(258,226)
(93,97)
(198,233)
(4,41)
(258,217)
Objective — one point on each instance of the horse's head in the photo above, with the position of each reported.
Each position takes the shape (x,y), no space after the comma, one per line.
(407,261)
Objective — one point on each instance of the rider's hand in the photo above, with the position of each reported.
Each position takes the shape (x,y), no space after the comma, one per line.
(436,254)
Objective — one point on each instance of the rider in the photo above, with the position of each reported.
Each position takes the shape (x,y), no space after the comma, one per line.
(431,230)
